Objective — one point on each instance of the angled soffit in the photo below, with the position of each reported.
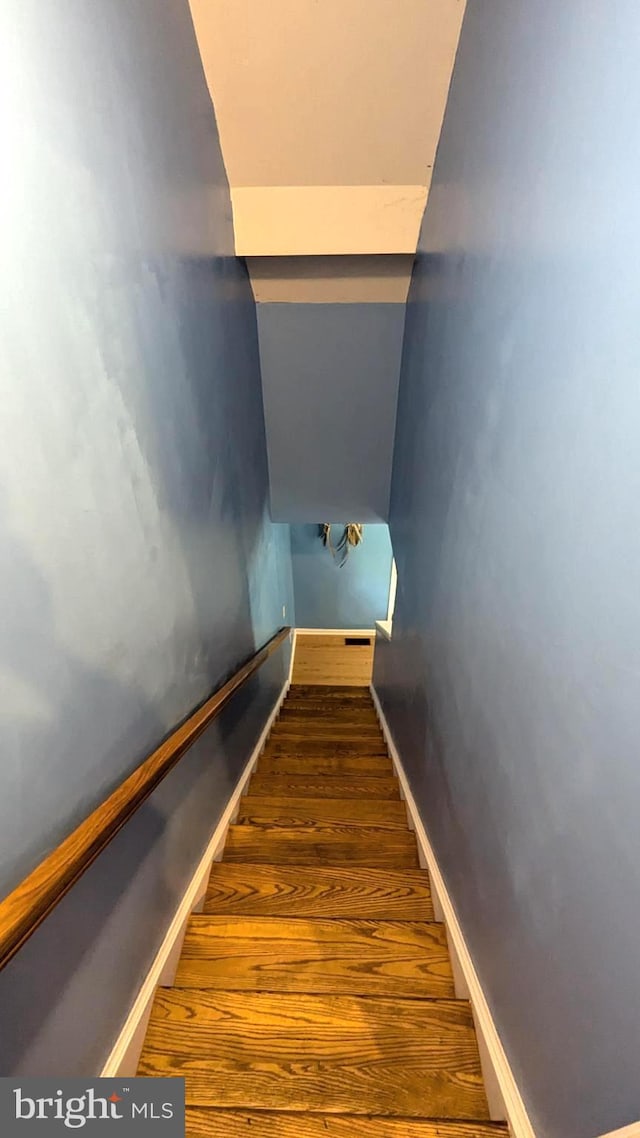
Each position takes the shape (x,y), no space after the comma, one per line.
(329,114)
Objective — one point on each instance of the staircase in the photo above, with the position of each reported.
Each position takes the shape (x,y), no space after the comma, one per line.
(314,997)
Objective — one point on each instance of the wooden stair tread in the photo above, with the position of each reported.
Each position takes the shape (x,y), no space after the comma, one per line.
(319,729)
(323,705)
(347,748)
(354,957)
(305,1053)
(326,708)
(325,828)
(323,786)
(341,714)
(364,714)
(211,1123)
(300,763)
(329,1053)
(369,743)
(317,847)
(314,995)
(308,891)
(326,691)
(289,812)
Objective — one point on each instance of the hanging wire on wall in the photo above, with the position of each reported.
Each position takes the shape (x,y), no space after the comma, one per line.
(352,535)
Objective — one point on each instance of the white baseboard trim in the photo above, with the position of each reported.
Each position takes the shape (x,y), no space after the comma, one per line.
(125,1053)
(504,1098)
(384,628)
(336,632)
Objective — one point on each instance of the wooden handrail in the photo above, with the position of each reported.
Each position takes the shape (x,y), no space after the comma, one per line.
(30,902)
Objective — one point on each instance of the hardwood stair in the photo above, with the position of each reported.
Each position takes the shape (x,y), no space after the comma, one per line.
(346,957)
(265,1124)
(324,786)
(324,811)
(309,891)
(314,996)
(325,747)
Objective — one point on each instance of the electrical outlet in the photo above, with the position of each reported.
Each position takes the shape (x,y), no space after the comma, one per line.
(284,612)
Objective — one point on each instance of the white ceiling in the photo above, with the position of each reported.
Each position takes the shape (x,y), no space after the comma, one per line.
(329,114)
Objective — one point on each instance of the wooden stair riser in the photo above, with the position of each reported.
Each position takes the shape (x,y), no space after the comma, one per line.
(341,714)
(212,1123)
(328,722)
(329,691)
(328,707)
(311,728)
(342,711)
(316,847)
(324,786)
(308,746)
(301,764)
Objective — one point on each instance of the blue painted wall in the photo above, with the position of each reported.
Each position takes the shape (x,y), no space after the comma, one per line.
(330,377)
(138,566)
(354,596)
(512,682)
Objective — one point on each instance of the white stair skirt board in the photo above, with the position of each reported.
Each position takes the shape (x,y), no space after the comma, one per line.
(125,1053)
(503,1096)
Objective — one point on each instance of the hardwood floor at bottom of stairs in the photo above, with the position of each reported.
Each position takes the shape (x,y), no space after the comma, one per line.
(326,660)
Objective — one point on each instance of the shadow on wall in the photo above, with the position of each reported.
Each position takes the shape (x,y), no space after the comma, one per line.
(53,704)
(133,462)
(138,565)
(60,1018)
(353,596)
(101,939)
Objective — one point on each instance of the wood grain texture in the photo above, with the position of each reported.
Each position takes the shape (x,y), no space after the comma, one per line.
(341,692)
(327,661)
(211,1123)
(311,1053)
(327,764)
(300,715)
(290,812)
(354,957)
(328,716)
(342,747)
(315,983)
(280,846)
(296,891)
(38,894)
(323,786)
(314,728)
(301,705)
